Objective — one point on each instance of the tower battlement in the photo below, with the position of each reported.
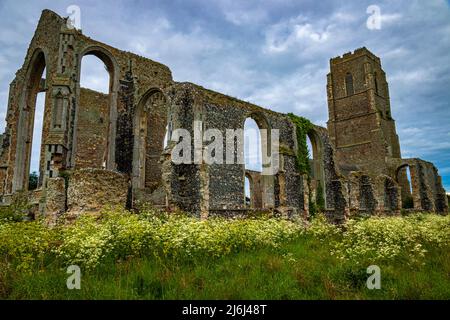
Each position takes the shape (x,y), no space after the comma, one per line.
(357,53)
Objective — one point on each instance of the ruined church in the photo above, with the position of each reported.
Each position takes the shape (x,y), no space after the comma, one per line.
(108,149)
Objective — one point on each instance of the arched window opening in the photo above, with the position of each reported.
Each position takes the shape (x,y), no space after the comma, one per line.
(376,82)
(252,146)
(166,138)
(94,74)
(248,192)
(390,195)
(151,135)
(408,175)
(317,174)
(405,182)
(155,122)
(35,175)
(310,156)
(257,142)
(29,129)
(93,113)
(349,84)
(168,135)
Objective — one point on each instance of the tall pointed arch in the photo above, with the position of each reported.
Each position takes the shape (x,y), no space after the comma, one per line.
(113,69)
(150,125)
(27,107)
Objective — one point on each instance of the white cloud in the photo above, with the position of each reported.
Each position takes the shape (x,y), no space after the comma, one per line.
(390,18)
(396,53)
(302,92)
(416,75)
(411,130)
(245,17)
(295,32)
(243,13)
(344,16)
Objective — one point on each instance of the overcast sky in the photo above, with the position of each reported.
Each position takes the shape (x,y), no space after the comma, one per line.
(272,53)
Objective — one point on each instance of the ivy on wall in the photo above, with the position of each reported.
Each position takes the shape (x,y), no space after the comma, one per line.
(303,126)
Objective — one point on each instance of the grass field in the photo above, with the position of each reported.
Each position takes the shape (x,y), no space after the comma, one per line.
(318,262)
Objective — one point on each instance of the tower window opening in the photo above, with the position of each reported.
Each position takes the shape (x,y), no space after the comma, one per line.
(349,84)
(376,82)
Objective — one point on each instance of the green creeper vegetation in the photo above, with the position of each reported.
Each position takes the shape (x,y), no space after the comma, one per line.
(18,209)
(303,126)
(154,255)
(33,181)
(312,205)
(320,198)
(319,204)
(408,203)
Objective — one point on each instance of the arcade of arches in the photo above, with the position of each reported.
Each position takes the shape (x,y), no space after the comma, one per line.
(114,147)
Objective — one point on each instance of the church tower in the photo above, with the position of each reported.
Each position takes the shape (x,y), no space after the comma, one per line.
(360,123)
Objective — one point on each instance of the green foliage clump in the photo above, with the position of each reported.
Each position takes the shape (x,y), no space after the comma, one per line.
(313,210)
(408,203)
(318,205)
(385,238)
(119,235)
(17,211)
(160,255)
(303,126)
(25,245)
(320,199)
(90,240)
(33,181)
(321,229)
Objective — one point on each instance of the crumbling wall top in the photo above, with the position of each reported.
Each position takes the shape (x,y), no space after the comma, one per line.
(220,99)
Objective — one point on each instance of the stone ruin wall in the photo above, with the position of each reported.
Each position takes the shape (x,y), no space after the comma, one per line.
(92,129)
(226,182)
(93,151)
